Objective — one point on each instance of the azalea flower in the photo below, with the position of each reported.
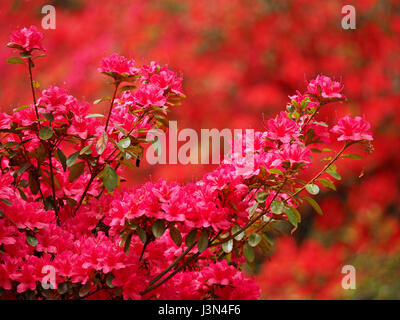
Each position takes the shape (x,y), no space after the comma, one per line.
(352,129)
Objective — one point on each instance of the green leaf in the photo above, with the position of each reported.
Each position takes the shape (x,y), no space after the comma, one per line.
(253,209)
(109,278)
(261,196)
(203,241)
(85,290)
(254,239)
(327,183)
(15,60)
(275,171)
(23,169)
(102,143)
(95,115)
(45,133)
(62,158)
(101,99)
(191,237)
(334,174)
(62,288)
(236,229)
(227,246)
(76,171)
(110,178)
(142,235)
(122,130)
(22,108)
(33,184)
(128,243)
(248,253)
(277,207)
(293,216)
(314,204)
(48,116)
(175,235)
(6,201)
(352,156)
(125,143)
(158,228)
(85,150)
(72,159)
(312,188)
(31,240)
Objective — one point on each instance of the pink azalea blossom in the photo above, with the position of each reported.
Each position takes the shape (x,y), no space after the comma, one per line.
(352,129)
(325,87)
(282,129)
(295,154)
(119,65)
(150,95)
(26,39)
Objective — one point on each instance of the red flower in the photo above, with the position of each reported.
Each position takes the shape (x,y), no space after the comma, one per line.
(26,39)
(352,129)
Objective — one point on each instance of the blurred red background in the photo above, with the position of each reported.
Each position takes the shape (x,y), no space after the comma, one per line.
(241,59)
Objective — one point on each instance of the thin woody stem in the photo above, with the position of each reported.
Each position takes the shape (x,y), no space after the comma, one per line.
(156,285)
(112,105)
(95,170)
(253,220)
(30,63)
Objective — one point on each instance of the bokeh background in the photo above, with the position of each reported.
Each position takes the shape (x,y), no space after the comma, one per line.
(240,60)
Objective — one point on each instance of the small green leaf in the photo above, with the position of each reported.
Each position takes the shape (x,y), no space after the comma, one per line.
(261,196)
(248,253)
(31,240)
(110,178)
(253,209)
(314,204)
(158,228)
(236,229)
(125,143)
(352,156)
(102,143)
(334,174)
(48,116)
(6,201)
(142,235)
(312,188)
(109,278)
(72,159)
(203,241)
(95,115)
(191,237)
(327,183)
(15,60)
(85,150)
(275,171)
(76,171)
(227,246)
(101,99)
(45,133)
(62,158)
(254,239)
(128,243)
(293,216)
(85,290)
(175,235)
(277,207)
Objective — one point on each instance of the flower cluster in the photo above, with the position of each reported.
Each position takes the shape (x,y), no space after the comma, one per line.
(66,213)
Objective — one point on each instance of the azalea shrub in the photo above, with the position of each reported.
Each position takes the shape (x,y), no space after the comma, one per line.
(64,208)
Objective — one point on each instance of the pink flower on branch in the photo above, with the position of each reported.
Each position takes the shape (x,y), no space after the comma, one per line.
(352,129)
(26,39)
